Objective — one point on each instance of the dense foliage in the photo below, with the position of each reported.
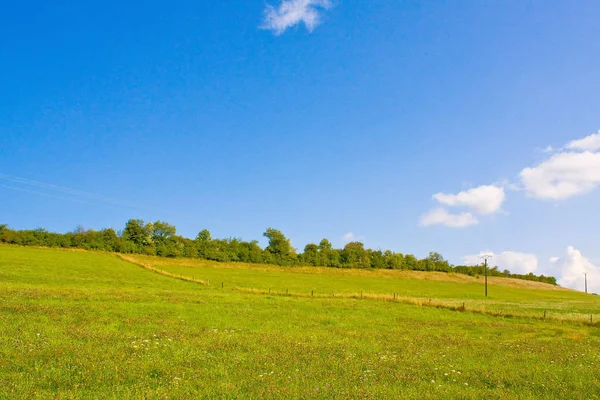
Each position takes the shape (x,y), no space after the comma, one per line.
(161,239)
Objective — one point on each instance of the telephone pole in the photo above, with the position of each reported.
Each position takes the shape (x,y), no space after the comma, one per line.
(585,275)
(486,257)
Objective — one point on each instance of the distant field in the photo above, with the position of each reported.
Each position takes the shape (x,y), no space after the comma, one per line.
(91,325)
(517,297)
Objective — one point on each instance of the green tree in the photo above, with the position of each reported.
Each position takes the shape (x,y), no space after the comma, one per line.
(204,236)
(325,245)
(190,249)
(280,247)
(355,255)
(393,260)
(410,262)
(253,252)
(435,262)
(138,233)
(162,231)
(311,254)
(205,245)
(377,259)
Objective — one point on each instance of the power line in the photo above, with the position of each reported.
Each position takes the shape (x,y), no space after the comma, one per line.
(65,190)
(486,257)
(44,194)
(82,197)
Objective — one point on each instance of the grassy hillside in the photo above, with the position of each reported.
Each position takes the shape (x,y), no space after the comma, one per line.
(506,295)
(91,325)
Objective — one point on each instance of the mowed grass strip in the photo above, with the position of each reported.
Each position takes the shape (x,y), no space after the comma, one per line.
(69,330)
(506,296)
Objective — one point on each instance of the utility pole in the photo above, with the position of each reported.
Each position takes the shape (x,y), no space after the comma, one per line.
(486,257)
(585,275)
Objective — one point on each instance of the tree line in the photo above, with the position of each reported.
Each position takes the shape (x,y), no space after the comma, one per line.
(160,238)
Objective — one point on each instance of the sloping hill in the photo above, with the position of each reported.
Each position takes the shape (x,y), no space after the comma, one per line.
(90,325)
(374,273)
(507,296)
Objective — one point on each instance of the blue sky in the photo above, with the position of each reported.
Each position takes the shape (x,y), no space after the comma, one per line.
(332,119)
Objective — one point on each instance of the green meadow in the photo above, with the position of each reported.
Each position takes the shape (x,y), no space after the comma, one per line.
(506,296)
(77,324)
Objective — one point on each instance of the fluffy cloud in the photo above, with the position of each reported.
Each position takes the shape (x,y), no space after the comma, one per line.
(570,271)
(588,143)
(570,171)
(563,175)
(515,262)
(293,12)
(485,199)
(573,171)
(439,216)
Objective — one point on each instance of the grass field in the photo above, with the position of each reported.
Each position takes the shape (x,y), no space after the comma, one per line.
(91,325)
(509,296)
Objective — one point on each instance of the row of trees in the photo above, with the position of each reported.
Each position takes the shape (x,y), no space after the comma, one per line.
(161,239)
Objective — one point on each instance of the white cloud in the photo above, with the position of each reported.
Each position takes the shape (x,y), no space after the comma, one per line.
(588,143)
(486,199)
(548,149)
(568,270)
(563,175)
(570,171)
(571,268)
(351,237)
(515,262)
(348,236)
(573,171)
(439,216)
(293,12)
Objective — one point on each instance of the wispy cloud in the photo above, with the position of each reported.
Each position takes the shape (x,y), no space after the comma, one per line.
(351,237)
(439,216)
(290,13)
(548,149)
